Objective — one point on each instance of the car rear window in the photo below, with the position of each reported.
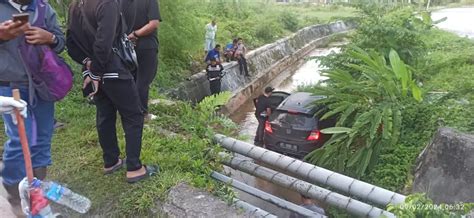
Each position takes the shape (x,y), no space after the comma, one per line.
(295,120)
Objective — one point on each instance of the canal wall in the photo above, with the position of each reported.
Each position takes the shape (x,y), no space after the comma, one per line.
(264,63)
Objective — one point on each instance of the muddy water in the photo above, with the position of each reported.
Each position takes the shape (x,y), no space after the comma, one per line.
(308,73)
(459,20)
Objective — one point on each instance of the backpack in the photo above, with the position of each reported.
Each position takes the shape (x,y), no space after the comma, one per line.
(49,75)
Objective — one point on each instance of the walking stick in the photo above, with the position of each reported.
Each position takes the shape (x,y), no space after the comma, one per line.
(23,139)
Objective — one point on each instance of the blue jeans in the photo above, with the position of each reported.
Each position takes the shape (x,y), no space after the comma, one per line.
(39,130)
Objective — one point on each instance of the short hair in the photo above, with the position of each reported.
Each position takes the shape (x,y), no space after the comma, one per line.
(213,59)
(218,46)
(235,40)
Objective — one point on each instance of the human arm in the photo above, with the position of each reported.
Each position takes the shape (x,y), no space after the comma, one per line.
(52,36)
(10,30)
(107,21)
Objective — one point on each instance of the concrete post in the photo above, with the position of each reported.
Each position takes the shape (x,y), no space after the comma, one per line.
(351,205)
(313,174)
(265,196)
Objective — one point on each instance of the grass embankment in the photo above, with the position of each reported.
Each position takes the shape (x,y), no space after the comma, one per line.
(184,157)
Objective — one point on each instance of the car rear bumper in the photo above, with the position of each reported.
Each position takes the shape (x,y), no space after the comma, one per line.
(281,145)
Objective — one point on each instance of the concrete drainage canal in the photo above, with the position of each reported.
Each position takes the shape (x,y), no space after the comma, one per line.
(306,74)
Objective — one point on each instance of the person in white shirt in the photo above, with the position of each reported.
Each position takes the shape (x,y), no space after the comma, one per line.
(210,41)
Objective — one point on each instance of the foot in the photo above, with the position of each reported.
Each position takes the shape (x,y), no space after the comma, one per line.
(150,117)
(114,168)
(143,173)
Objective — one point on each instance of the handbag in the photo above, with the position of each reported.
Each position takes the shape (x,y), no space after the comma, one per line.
(125,48)
(50,78)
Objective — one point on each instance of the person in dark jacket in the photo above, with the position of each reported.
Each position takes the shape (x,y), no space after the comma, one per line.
(143,17)
(40,113)
(214,75)
(262,112)
(94,28)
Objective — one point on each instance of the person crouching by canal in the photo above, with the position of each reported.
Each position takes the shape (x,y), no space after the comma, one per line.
(214,53)
(239,54)
(91,36)
(262,112)
(214,75)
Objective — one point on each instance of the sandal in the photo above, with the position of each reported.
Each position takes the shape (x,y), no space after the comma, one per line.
(150,171)
(115,168)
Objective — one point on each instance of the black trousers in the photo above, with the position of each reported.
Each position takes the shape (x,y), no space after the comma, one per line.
(148,65)
(215,86)
(260,130)
(122,96)
(243,65)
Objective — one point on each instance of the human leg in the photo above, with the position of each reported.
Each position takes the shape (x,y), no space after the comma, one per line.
(148,61)
(106,117)
(123,95)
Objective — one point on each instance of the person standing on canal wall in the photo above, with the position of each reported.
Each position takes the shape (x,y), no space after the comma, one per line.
(210,37)
(240,53)
(214,75)
(145,19)
(262,112)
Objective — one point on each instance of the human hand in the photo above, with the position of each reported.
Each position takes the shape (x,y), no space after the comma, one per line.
(132,37)
(10,30)
(39,36)
(8,106)
(95,84)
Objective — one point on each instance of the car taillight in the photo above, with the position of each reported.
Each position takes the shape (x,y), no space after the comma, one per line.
(268,127)
(314,135)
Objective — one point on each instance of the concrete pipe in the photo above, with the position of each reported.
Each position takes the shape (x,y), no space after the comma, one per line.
(312,173)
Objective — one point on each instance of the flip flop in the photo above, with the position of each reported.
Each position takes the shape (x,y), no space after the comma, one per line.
(115,167)
(150,171)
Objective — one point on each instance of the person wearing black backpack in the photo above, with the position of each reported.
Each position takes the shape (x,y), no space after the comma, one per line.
(92,25)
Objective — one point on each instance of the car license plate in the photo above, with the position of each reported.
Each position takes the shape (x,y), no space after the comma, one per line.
(289,146)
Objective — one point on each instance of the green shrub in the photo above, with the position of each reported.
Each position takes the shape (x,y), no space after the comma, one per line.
(290,21)
(368,106)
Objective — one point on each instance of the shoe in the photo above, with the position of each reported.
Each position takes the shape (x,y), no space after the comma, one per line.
(116,167)
(150,117)
(58,125)
(150,171)
(13,197)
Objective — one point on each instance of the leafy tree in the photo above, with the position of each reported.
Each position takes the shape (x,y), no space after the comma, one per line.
(367,102)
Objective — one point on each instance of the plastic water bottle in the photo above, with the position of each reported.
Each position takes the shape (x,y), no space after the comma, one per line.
(63,196)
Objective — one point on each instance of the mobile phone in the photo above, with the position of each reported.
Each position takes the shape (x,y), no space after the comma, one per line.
(90,88)
(23,17)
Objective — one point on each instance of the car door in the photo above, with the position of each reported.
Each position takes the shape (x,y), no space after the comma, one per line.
(276,98)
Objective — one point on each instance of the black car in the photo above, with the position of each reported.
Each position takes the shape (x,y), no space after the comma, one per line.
(292,128)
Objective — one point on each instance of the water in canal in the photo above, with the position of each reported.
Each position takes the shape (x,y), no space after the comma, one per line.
(459,21)
(308,73)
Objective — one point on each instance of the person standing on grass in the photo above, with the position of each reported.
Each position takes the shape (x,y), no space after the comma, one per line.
(262,112)
(214,75)
(210,38)
(40,118)
(214,54)
(94,29)
(144,17)
(239,54)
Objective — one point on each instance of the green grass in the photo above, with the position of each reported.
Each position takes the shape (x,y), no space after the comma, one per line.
(186,157)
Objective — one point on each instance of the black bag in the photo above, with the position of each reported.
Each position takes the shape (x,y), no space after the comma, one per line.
(125,48)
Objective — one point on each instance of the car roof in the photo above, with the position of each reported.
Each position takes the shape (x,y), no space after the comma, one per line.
(300,102)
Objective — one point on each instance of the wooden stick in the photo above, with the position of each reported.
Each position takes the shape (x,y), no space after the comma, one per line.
(23,139)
